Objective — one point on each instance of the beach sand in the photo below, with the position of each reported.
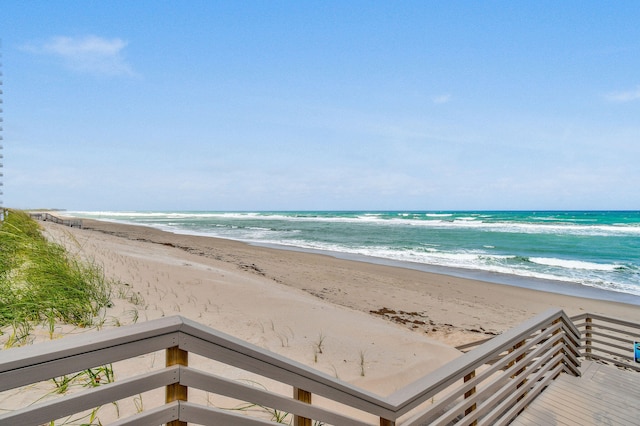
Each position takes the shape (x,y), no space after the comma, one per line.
(378,327)
(455,310)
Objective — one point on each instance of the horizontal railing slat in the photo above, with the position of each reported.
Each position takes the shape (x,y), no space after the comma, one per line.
(604,334)
(615,362)
(500,418)
(533,351)
(241,351)
(618,333)
(86,342)
(154,416)
(484,375)
(595,343)
(508,395)
(421,390)
(497,388)
(612,320)
(218,385)
(209,416)
(288,371)
(596,349)
(95,397)
(59,366)
(544,346)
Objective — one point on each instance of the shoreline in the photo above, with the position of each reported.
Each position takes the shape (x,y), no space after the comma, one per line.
(452,303)
(565,288)
(375,326)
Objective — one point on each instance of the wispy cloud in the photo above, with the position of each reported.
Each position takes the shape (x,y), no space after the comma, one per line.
(441,99)
(88,54)
(626,96)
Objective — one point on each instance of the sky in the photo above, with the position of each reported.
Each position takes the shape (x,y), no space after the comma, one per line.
(321,105)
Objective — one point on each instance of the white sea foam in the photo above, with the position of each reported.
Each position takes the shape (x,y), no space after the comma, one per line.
(573,264)
(253,227)
(549,225)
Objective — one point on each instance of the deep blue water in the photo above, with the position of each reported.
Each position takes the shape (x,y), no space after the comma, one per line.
(595,249)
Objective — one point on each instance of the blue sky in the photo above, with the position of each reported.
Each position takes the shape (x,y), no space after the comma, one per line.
(331,105)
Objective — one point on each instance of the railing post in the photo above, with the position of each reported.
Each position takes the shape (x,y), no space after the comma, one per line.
(304,396)
(587,342)
(518,358)
(176,391)
(561,343)
(520,370)
(468,394)
(385,422)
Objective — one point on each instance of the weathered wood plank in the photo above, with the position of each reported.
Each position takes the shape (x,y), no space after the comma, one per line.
(604,395)
(592,395)
(535,416)
(579,410)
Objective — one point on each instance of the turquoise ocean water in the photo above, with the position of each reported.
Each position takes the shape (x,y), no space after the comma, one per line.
(571,252)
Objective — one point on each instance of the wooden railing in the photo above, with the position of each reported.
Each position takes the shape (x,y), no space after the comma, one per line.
(74,223)
(608,339)
(489,385)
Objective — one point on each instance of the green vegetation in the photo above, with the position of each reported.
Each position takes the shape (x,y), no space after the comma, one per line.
(41,284)
(39,281)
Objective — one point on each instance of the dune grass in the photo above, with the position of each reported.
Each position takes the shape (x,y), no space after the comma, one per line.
(39,281)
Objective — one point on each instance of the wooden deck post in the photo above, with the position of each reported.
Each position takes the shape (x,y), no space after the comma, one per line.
(518,358)
(385,422)
(587,342)
(176,391)
(468,394)
(304,396)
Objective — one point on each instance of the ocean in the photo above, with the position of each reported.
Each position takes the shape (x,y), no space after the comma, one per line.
(588,253)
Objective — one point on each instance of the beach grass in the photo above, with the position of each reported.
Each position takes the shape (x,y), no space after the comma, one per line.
(41,282)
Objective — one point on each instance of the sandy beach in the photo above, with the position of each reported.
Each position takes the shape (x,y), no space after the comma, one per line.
(454,310)
(379,327)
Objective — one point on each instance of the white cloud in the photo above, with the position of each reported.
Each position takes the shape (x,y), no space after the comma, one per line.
(441,99)
(627,96)
(88,54)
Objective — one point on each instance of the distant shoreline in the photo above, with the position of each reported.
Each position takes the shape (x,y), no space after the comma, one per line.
(368,286)
(552,286)
(566,253)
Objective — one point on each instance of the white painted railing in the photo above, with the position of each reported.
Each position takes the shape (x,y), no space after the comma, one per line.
(488,385)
